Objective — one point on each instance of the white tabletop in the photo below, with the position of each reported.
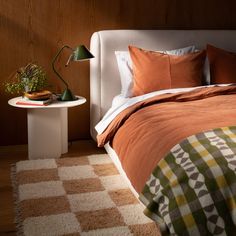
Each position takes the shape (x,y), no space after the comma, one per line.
(54,104)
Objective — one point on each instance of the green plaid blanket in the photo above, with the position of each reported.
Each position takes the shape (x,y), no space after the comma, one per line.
(192,191)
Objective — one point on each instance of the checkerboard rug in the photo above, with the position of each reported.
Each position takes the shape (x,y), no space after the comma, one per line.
(76,196)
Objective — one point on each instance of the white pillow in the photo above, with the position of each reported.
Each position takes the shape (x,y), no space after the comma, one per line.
(125,67)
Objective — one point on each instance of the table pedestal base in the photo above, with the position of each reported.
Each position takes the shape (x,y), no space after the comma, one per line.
(47,133)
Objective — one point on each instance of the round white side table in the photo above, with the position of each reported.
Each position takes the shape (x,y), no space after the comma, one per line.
(47,127)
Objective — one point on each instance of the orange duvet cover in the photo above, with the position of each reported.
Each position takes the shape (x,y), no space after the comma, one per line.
(144,133)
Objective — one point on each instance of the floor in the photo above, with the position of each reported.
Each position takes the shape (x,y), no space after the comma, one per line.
(11,154)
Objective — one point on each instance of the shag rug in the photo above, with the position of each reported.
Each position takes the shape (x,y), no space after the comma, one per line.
(76,196)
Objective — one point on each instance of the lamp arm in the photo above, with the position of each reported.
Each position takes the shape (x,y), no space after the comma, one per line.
(53,64)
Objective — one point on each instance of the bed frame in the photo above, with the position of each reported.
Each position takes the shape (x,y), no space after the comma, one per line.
(104,74)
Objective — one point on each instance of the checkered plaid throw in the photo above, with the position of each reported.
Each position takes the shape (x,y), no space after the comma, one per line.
(76,196)
(193,189)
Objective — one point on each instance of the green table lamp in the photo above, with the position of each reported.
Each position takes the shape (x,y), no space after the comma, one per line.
(80,53)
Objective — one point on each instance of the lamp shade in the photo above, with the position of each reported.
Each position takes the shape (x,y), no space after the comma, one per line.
(81,53)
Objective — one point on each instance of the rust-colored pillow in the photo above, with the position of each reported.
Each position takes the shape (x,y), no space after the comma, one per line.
(156,71)
(222,65)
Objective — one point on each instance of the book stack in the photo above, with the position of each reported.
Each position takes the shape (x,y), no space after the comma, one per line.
(28,102)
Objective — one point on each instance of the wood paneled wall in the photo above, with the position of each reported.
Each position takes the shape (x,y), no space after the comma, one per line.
(33,30)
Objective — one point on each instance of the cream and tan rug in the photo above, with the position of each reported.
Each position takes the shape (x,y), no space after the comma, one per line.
(76,196)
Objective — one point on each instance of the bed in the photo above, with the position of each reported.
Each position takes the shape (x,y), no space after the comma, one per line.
(177,198)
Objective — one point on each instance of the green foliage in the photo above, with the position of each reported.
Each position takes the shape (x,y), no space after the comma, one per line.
(27,79)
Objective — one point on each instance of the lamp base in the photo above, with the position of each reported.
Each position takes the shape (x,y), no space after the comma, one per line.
(67,95)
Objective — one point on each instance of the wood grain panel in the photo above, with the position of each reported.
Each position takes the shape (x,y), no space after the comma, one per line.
(34,30)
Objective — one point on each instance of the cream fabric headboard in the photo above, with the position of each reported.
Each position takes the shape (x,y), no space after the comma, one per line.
(104,74)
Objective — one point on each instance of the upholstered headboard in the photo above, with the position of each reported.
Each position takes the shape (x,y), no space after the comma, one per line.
(104,74)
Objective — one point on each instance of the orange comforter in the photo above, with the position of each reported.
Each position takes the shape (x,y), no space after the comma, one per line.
(144,133)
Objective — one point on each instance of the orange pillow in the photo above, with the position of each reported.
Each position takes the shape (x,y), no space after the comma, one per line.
(156,71)
(222,65)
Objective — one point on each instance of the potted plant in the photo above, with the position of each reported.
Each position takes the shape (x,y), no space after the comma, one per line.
(29,80)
